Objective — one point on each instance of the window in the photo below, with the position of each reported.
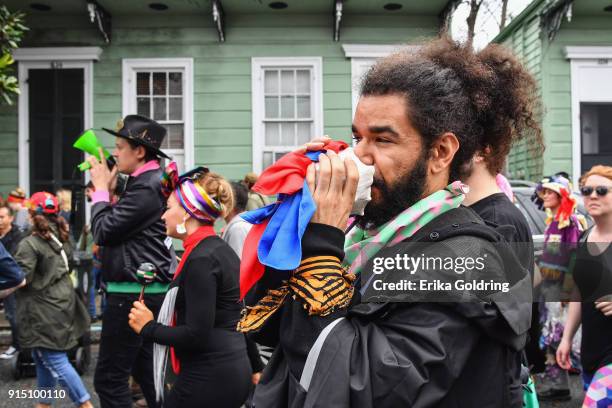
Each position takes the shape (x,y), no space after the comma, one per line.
(287,109)
(162,89)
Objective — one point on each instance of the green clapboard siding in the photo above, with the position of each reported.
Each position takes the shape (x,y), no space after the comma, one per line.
(222,71)
(546,60)
(581,31)
(525,160)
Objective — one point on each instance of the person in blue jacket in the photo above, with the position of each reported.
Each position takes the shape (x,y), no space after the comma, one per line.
(11,276)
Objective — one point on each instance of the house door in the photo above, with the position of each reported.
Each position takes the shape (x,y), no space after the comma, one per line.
(596,134)
(56,119)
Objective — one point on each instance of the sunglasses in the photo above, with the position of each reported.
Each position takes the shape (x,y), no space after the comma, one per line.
(600,190)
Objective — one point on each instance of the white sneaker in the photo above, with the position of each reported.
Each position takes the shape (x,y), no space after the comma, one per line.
(8,353)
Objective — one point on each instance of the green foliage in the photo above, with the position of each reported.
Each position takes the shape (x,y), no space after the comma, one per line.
(12,31)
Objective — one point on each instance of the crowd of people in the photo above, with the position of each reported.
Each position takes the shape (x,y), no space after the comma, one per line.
(290,272)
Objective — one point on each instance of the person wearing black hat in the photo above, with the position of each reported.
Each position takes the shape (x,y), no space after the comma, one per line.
(131,232)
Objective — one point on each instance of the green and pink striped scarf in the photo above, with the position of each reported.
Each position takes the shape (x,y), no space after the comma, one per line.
(361,245)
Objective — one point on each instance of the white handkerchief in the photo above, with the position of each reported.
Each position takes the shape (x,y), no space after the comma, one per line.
(366,178)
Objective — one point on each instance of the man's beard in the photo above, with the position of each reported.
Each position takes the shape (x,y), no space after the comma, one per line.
(404,193)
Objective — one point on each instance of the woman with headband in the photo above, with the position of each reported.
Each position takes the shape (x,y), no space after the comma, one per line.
(198,318)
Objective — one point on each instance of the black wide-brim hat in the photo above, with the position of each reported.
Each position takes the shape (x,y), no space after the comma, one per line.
(142,131)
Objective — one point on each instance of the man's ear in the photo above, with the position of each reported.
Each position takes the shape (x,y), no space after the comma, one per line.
(442,153)
(141,152)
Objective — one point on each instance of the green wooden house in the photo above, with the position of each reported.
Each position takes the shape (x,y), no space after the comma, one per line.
(567,45)
(237,83)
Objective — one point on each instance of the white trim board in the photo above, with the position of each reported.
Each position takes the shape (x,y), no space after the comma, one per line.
(257,92)
(57,54)
(374,50)
(582,59)
(129,67)
(588,52)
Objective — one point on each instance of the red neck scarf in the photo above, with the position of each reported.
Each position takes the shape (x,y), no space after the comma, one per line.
(189,244)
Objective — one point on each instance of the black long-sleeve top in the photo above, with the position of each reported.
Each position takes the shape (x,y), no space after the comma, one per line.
(207,305)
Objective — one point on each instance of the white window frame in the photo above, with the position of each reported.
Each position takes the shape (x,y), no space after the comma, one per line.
(582,57)
(129,68)
(257,91)
(46,58)
(363,56)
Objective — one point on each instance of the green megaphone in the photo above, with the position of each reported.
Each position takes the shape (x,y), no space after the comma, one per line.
(88,143)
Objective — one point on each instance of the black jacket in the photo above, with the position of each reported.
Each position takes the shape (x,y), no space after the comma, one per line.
(132,232)
(399,354)
(12,238)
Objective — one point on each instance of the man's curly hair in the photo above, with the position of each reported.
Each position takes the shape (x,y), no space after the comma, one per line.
(487,99)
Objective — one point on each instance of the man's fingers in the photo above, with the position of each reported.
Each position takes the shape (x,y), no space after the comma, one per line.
(352,180)
(324,176)
(92,161)
(101,154)
(310,177)
(337,174)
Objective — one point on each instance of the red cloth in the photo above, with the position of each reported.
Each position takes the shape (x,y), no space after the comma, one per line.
(286,176)
(251,270)
(189,244)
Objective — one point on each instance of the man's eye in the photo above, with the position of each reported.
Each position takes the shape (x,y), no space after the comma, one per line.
(356,139)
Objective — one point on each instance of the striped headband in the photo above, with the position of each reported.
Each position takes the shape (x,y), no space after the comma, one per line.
(189,193)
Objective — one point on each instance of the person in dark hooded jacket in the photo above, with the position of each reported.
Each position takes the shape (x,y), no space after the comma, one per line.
(419,121)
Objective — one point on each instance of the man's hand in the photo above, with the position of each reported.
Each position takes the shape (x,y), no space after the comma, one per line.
(139,316)
(604,307)
(255,377)
(101,176)
(334,192)
(315,144)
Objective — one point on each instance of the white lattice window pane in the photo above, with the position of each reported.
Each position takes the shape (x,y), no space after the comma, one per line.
(143,83)
(287,82)
(175,107)
(272,107)
(271,82)
(303,81)
(288,133)
(278,155)
(175,82)
(159,109)
(144,106)
(303,107)
(175,137)
(287,107)
(159,83)
(267,159)
(304,132)
(272,134)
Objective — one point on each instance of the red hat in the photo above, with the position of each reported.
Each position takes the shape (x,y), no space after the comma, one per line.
(43,202)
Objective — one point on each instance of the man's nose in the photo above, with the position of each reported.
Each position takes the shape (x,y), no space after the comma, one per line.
(364,153)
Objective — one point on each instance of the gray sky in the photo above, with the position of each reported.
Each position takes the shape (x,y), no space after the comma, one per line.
(487,22)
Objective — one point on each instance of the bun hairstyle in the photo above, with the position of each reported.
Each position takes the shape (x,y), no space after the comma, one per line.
(220,189)
(486,98)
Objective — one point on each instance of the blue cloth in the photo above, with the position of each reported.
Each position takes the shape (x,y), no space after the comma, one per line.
(53,367)
(280,246)
(10,273)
